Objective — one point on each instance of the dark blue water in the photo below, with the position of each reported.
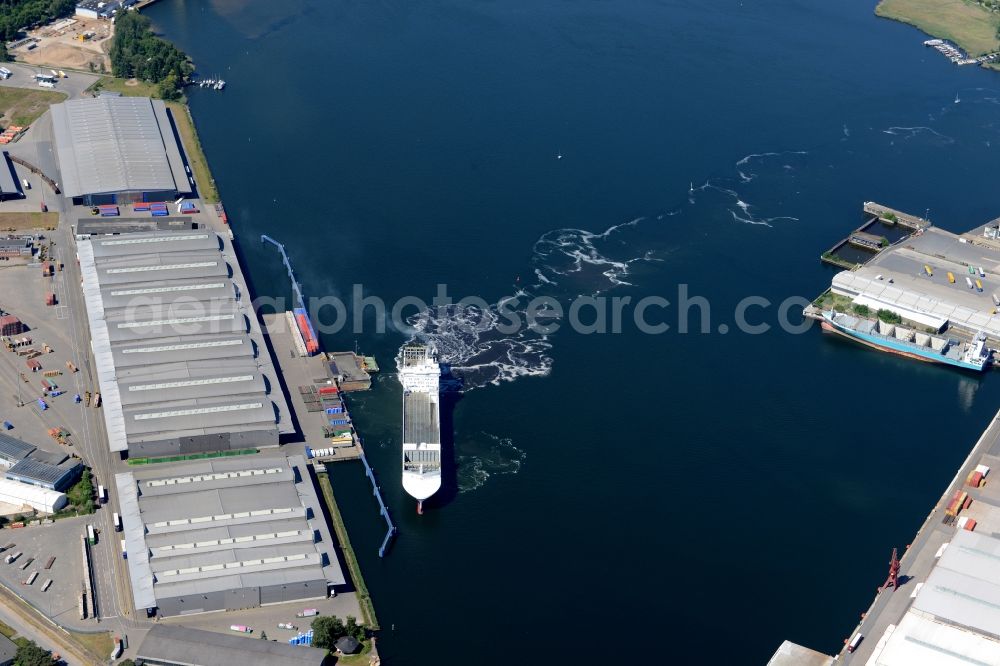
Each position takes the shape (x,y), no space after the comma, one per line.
(630,493)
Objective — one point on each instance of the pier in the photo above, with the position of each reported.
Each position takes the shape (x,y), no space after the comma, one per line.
(307,377)
(893,216)
(891,605)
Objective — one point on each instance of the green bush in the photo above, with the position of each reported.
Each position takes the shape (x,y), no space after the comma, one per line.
(889,317)
(861,310)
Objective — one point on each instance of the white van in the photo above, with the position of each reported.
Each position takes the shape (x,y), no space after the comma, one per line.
(27,185)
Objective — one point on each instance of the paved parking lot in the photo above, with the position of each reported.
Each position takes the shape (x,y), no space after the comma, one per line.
(61,538)
(266,618)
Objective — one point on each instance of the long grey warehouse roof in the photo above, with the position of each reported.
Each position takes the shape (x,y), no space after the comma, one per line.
(116,144)
(194,647)
(177,360)
(224,524)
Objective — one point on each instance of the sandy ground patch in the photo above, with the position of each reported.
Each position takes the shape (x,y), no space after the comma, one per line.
(55,54)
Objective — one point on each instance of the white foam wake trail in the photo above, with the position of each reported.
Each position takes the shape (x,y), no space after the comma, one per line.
(747,159)
(910,132)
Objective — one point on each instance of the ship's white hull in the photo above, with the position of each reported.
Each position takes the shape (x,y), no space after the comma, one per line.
(420,375)
(421,486)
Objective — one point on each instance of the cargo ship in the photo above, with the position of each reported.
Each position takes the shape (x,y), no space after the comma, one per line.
(907,342)
(420,375)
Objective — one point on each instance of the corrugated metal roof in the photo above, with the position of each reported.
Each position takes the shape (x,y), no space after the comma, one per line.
(223,524)
(182,645)
(12,449)
(919,640)
(964,587)
(115,144)
(42,473)
(28,493)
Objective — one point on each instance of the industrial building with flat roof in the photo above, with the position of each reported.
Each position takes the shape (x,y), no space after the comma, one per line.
(13,450)
(181,361)
(9,187)
(118,150)
(55,474)
(38,498)
(225,534)
(926,280)
(168,645)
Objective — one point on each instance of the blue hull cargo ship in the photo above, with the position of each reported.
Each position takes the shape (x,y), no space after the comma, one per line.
(910,343)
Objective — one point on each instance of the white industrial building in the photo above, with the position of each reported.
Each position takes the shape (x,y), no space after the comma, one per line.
(38,498)
(954,619)
(935,280)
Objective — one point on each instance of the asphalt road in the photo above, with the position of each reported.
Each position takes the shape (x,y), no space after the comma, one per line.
(24,77)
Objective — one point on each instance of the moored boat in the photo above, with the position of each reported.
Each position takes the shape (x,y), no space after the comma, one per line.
(904,341)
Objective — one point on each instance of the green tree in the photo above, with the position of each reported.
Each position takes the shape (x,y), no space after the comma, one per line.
(138,53)
(29,654)
(82,492)
(127,662)
(326,630)
(352,628)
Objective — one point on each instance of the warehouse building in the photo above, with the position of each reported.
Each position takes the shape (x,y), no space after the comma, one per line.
(181,361)
(13,450)
(38,498)
(16,247)
(95,9)
(225,534)
(9,187)
(58,474)
(170,645)
(936,280)
(118,150)
(954,619)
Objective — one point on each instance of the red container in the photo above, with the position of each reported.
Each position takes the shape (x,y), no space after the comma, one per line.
(970,524)
(329,390)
